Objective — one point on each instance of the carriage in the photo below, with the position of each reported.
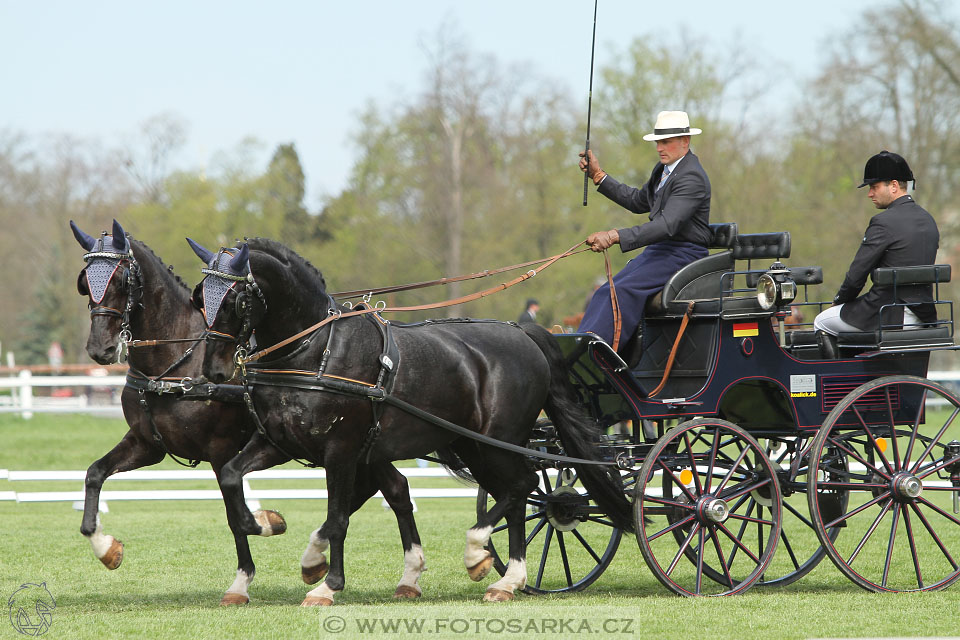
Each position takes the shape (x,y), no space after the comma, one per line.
(738,436)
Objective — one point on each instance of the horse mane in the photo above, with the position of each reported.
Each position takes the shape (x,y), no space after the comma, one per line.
(304,271)
(141,250)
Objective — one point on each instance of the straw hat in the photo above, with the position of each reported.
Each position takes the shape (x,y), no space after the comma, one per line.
(671,124)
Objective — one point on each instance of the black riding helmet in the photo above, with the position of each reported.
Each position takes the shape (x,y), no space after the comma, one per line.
(886,166)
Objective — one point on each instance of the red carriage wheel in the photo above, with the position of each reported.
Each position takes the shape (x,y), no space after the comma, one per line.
(692,514)
(899,525)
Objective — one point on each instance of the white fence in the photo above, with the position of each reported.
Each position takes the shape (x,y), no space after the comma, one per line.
(22,399)
(253,496)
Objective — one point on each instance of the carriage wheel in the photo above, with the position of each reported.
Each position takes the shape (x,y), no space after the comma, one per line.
(570,541)
(903,479)
(799,549)
(698,479)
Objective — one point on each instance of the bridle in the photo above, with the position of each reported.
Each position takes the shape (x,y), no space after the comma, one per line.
(242,307)
(130,283)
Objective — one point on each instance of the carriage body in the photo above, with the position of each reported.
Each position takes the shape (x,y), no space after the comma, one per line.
(831,429)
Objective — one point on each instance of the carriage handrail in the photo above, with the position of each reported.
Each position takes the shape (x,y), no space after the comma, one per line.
(545,263)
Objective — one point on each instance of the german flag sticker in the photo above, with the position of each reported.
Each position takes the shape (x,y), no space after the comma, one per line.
(745,329)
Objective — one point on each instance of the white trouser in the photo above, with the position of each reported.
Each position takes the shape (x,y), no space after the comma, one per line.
(829,321)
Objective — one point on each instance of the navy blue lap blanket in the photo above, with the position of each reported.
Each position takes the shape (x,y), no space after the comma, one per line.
(643,277)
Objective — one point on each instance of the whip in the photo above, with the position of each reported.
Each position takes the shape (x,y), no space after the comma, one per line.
(586,150)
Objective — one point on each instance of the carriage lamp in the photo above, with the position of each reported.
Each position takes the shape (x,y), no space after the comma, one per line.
(776,288)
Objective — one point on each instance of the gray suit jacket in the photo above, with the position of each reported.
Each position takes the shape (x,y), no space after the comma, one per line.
(902,235)
(680,211)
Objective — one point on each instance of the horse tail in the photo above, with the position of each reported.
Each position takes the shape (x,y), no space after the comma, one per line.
(578,433)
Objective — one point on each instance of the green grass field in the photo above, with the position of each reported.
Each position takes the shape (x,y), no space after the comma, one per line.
(179,558)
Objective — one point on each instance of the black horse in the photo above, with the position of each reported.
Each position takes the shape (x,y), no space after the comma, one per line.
(133,294)
(318,398)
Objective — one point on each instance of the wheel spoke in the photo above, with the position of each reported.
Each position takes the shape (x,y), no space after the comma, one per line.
(693,464)
(795,512)
(563,556)
(743,527)
(866,536)
(723,563)
(913,547)
(936,439)
(675,525)
(853,453)
(683,548)
(935,537)
(916,429)
(946,515)
(873,440)
(605,523)
(786,543)
(739,491)
(713,458)
(893,430)
(936,466)
(546,481)
(738,542)
(536,530)
(893,538)
(861,508)
(543,557)
(700,552)
(733,467)
(667,469)
(586,545)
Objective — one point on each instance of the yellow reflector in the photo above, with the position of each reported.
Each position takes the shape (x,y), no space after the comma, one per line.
(882,444)
(686,477)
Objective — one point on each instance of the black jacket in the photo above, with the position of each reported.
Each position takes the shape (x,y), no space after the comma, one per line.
(902,235)
(680,211)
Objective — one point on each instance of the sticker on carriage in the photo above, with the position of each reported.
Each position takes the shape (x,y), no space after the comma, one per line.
(745,329)
(803,386)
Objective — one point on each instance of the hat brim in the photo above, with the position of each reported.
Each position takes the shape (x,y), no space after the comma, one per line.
(650,137)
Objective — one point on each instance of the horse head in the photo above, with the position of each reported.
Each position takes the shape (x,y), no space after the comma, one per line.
(232,306)
(109,281)
(240,282)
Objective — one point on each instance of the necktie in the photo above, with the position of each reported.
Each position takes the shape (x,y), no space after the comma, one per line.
(666,172)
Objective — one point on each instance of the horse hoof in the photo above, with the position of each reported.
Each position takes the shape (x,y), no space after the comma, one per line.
(316,601)
(497,595)
(271,522)
(480,570)
(406,591)
(233,598)
(114,555)
(313,575)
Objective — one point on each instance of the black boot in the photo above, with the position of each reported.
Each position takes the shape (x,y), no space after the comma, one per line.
(828,345)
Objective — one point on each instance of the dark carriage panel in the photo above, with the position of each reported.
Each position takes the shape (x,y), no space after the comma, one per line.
(695,359)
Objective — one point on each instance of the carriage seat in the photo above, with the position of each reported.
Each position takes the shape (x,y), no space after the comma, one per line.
(697,274)
(889,338)
(702,281)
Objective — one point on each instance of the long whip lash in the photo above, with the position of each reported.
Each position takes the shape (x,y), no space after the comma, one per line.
(593,44)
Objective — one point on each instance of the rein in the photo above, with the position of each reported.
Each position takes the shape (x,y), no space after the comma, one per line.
(337,314)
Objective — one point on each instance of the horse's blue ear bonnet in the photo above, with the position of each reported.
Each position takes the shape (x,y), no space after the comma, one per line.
(224,270)
(103,258)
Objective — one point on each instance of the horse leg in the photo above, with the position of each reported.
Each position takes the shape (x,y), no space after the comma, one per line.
(396,491)
(237,593)
(129,453)
(505,477)
(257,454)
(313,562)
(340,481)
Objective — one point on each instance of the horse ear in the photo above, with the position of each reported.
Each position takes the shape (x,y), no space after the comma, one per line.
(239,261)
(204,254)
(119,237)
(86,241)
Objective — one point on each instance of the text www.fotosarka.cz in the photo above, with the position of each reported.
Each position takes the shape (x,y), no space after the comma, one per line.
(448,626)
